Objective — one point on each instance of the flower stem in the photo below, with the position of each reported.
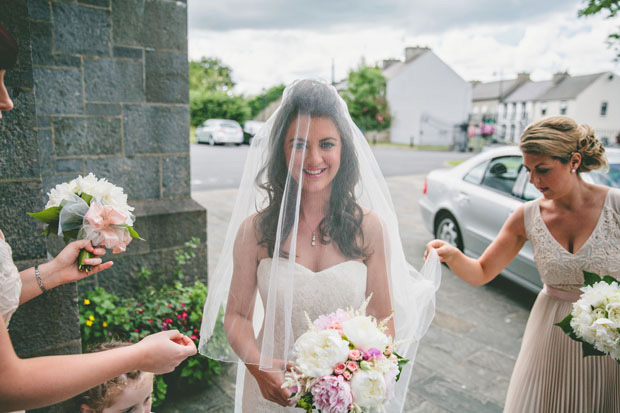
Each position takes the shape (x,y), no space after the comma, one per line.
(84,255)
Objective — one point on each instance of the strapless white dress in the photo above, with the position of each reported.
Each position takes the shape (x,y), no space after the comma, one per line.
(340,286)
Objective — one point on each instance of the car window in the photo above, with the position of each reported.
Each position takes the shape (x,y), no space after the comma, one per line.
(530,192)
(609,178)
(502,173)
(230,125)
(475,175)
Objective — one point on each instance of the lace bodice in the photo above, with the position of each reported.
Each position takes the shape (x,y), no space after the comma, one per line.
(339,286)
(600,254)
(10,282)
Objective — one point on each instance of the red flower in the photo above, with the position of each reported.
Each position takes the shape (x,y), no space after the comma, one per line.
(137,331)
(194,337)
(182,304)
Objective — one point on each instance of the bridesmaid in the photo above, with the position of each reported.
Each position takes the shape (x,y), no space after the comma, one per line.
(575,226)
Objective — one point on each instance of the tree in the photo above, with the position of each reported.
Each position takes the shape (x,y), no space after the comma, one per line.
(365,97)
(205,105)
(262,100)
(611,8)
(210,74)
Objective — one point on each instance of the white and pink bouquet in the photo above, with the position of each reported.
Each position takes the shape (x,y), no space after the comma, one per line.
(89,208)
(595,318)
(345,362)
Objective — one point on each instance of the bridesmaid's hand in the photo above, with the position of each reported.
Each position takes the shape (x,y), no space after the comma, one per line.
(64,266)
(443,249)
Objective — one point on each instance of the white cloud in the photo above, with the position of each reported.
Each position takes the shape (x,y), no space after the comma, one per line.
(540,39)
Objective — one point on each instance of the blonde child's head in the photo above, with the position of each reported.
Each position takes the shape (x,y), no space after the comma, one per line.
(127,393)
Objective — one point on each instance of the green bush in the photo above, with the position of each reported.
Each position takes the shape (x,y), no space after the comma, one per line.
(105,316)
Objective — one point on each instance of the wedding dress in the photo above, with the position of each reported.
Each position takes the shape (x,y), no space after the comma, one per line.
(551,374)
(10,282)
(339,286)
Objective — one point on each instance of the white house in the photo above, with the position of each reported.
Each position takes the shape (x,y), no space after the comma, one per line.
(427,99)
(488,97)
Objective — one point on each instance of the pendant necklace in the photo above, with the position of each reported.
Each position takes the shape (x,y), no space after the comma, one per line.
(313,238)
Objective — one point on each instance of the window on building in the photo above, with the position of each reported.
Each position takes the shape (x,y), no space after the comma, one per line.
(523,111)
(603,108)
(475,110)
(563,107)
(513,133)
(505,110)
(484,109)
(543,109)
(514,110)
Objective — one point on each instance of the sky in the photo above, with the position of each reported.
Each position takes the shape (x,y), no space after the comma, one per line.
(269,42)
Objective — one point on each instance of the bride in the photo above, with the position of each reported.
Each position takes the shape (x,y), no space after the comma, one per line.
(313,230)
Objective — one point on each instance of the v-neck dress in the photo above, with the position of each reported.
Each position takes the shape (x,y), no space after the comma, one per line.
(316,293)
(551,374)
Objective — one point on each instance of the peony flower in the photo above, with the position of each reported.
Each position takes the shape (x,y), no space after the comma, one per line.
(332,394)
(362,331)
(368,388)
(318,351)
(333,320)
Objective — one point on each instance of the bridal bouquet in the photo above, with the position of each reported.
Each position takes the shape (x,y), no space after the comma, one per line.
(89,208)
(595,318)
(344,363)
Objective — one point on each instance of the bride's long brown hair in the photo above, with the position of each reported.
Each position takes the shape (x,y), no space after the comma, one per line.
(343,221)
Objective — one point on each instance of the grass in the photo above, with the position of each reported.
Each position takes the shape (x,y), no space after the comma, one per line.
(415,147)
(192,134)
(455,162)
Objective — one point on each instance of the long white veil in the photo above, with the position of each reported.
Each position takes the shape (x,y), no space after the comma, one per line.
(251,317)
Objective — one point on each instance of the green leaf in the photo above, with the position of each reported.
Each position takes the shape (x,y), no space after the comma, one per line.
(609,279)
(590,278)
(47,216)
(87,198)
(565,325)
(589,350)
(133,232)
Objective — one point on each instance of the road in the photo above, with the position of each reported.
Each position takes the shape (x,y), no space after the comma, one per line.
(219,167)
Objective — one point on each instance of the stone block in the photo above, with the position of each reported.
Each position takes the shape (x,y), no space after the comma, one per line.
(87,136)
(155,129)
(65,60)
(41,40)
(98,3)
(175,177)
(58,91)
(128,52)
(46,322)
(19,153)
(150,23)
(166,76)
(140,176)
(81,30)
(46,161)
(70,165)
(107,109)
(44,122)
(111,80)
(22,232)
(39,9)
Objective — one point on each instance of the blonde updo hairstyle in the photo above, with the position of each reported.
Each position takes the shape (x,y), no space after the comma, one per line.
(560,137)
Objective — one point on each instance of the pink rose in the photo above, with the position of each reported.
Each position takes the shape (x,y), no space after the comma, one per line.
(347,375)
(340,368)
(352,366)
(355,355)
(393,359)
(332,394)
(388,350)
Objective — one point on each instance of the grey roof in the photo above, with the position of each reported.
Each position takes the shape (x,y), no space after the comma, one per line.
(493,90)
(570,87)
(529,91)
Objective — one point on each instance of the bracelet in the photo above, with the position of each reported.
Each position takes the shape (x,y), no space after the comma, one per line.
(37,274)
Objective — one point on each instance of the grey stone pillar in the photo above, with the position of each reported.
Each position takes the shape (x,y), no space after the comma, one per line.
(104,89)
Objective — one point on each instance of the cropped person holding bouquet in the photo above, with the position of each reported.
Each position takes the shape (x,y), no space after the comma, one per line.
(313,233)
(42,381)
(574,227)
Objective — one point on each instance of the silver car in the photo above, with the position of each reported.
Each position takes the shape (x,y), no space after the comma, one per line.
(468,204)
(214,131)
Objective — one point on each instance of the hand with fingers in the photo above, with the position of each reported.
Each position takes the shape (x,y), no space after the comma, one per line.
(444,250)
(270,385)
(162,352)
(64,265)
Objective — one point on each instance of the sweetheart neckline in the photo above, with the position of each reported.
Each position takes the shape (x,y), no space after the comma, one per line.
(316,272)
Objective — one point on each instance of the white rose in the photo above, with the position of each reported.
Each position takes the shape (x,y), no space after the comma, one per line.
(368,388)
(613,313)
(362,331)
(317,352)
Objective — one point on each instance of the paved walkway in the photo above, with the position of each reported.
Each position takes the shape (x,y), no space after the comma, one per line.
(465,360)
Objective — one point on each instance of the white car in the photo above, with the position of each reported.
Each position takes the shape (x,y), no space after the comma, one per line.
(468,204)
(251,128)
(214,131)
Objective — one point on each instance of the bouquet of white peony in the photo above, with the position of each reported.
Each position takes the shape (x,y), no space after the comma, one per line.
(344,363)
(89,208)
(595,318)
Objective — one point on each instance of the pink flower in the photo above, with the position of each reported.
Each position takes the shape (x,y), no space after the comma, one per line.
(372,354)
(388,350)
(380,118)
(194,337)
(103,227)
(332,394)
(355,355)
(333,320)
(347,375)
(394,359)
(340,368)
(352,366)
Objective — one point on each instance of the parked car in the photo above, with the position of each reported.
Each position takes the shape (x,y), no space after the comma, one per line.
(468,204)
(250,128)
(214,131)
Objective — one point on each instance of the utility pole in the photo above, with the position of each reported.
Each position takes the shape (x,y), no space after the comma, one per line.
(333,72)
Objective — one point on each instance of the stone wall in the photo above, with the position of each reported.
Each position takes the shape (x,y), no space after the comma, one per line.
(103,88)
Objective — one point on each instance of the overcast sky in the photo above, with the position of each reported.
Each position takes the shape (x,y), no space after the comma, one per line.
(269,42)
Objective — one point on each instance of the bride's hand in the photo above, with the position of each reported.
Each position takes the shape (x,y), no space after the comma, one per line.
(443,249)
(270,385)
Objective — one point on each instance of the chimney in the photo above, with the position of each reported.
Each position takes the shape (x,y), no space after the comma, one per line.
(413,52)
(388,62)
(523,77)
(559,76)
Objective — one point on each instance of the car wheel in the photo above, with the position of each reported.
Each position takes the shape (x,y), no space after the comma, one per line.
(447,229)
